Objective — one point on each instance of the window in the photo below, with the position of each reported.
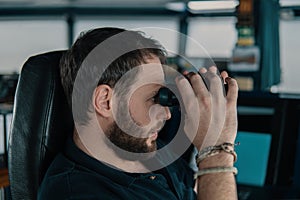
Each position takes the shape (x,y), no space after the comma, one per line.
(217,35)
(167,38)
(289,31)
(23,38)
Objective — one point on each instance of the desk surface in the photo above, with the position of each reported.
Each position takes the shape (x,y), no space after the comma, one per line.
(268,192)
(6,108)
(4,181)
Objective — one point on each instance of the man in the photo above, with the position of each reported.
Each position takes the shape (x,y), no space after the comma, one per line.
(114,152)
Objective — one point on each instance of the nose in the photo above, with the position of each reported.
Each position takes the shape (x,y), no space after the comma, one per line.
(168,113)
(164,113)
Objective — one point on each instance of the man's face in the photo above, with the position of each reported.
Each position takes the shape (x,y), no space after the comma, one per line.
(147,116)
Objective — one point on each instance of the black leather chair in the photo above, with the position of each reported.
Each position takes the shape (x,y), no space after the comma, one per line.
(41,123)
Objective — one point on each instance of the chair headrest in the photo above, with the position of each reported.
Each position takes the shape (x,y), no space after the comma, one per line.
(42,120)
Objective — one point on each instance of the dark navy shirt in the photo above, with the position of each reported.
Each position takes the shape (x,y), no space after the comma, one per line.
(75,175)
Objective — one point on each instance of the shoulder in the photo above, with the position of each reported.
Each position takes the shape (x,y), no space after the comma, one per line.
(55,182)
(68,180)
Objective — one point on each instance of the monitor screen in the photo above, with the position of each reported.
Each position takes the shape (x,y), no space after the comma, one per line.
(253,156)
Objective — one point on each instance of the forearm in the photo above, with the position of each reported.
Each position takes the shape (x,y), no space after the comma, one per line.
(217,185)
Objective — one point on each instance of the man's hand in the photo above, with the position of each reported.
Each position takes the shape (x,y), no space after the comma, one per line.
(213,115)
(208,111)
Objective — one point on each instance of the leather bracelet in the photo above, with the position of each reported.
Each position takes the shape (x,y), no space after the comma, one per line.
(214,150)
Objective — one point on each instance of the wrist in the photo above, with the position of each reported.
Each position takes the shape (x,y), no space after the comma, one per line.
(219,160)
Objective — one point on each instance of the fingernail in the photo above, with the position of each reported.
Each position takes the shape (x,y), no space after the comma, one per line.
(202,70)
(227,79)
(185,72)
(178,78)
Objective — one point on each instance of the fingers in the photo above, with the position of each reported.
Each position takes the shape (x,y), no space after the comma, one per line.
(209,82)
(213,81)
(224,75)
(186,91)
(198,85)
(205,82)
(232,92)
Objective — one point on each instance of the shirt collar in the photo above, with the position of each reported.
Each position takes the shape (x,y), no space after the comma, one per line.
(84,160)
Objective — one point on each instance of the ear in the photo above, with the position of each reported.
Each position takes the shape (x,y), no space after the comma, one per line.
(102,100)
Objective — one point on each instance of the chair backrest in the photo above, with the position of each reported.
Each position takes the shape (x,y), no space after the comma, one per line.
(41,123)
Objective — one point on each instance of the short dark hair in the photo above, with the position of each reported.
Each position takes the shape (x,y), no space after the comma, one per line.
(73,58)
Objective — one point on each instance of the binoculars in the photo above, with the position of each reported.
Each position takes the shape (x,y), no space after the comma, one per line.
(166,97)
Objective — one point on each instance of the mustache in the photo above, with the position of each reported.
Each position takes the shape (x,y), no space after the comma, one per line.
(158,127)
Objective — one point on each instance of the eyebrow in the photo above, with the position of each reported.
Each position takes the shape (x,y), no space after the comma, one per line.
(154,92)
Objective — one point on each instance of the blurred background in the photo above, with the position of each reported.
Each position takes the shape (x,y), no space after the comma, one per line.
(257,41)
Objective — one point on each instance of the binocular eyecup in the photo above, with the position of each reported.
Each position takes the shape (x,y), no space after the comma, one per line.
(166,97)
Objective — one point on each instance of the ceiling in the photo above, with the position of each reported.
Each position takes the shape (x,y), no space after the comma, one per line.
(111,3)
(104,3)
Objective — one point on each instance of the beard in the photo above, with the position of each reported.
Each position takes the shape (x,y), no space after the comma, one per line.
(129,147)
